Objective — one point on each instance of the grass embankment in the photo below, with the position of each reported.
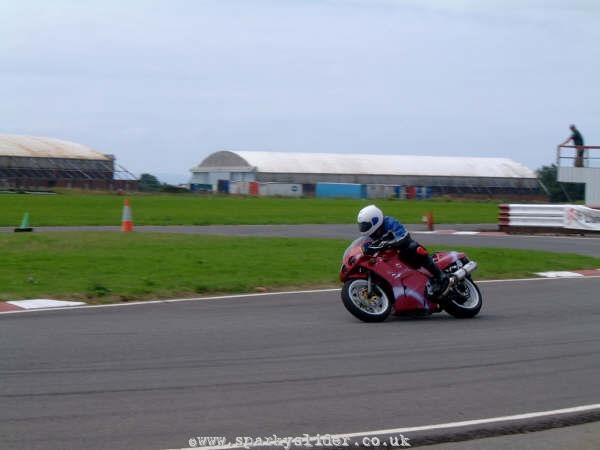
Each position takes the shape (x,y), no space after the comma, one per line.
(106,267)
(103,267)
(106,209)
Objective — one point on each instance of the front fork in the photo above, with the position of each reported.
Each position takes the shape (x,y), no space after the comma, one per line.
(372,295)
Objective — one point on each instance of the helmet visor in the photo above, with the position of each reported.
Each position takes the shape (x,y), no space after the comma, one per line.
(364,226)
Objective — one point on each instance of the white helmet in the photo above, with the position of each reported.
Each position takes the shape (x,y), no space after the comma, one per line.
(369,220)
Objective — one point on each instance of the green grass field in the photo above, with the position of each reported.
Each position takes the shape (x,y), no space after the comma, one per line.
(106,267)
(106,209)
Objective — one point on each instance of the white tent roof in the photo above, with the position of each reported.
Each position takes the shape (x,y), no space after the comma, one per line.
(336,163)
(43,147)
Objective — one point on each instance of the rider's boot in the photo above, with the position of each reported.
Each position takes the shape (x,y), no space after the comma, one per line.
(440,282)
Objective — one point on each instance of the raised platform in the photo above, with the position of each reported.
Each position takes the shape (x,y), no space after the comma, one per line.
(586,171)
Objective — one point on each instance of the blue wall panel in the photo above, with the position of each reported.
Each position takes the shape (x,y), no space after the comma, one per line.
(342,190)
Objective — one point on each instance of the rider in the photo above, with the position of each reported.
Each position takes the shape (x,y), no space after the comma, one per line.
(386,231)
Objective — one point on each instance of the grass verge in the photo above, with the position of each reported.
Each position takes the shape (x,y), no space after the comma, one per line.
(106,209)
(109,267)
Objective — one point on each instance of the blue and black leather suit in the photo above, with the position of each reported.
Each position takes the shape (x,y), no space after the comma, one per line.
(394,234)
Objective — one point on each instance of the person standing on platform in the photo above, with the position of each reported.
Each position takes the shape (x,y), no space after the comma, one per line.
(577,139)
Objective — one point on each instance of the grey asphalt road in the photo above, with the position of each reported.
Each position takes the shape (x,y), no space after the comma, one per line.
(153,376)
(580,437)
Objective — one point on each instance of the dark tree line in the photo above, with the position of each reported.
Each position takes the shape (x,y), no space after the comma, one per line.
(149,183)
(559,192)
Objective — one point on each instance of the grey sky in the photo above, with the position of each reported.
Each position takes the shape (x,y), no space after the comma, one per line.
(162,84)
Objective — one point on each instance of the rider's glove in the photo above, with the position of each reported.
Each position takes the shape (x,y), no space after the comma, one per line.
(373,247)
(389,236)
(369,250)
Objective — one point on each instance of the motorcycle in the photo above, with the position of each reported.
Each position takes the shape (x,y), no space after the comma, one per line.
(375,284)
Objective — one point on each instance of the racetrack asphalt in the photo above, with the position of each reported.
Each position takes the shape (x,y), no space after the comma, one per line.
(64,389)
(154,376)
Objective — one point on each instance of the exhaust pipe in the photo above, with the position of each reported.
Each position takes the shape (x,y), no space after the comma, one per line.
(465,270)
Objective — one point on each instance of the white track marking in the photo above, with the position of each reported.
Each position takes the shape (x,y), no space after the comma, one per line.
(42,303)
(261,294)
(434,427)
(559,274)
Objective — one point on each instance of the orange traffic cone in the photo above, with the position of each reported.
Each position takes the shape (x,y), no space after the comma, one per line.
(127,221)
(428,219)
(430,222)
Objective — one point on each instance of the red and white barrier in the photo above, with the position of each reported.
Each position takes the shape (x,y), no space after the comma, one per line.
(567,218)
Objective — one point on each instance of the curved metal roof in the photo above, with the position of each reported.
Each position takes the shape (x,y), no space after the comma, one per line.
(43,147)
(347,163)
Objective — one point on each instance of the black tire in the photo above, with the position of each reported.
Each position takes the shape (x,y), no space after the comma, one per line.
(464,300)
(374,309)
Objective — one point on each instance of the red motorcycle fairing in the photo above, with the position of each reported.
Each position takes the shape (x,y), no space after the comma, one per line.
(374,285)
(408,285)
(411,296)
(446,259)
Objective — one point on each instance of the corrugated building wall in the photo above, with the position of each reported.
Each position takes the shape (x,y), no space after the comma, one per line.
(383,176)
(28,162)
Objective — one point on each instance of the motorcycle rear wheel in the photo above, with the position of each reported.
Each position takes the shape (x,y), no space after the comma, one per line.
(464,300)
(374,308)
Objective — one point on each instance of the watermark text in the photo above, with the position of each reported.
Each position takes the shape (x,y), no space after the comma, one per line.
(304,441)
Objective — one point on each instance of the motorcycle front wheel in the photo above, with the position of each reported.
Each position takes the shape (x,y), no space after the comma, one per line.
(368,308)
(464,300)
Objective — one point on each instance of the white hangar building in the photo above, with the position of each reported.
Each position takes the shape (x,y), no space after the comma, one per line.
(440,174)
(31,162)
